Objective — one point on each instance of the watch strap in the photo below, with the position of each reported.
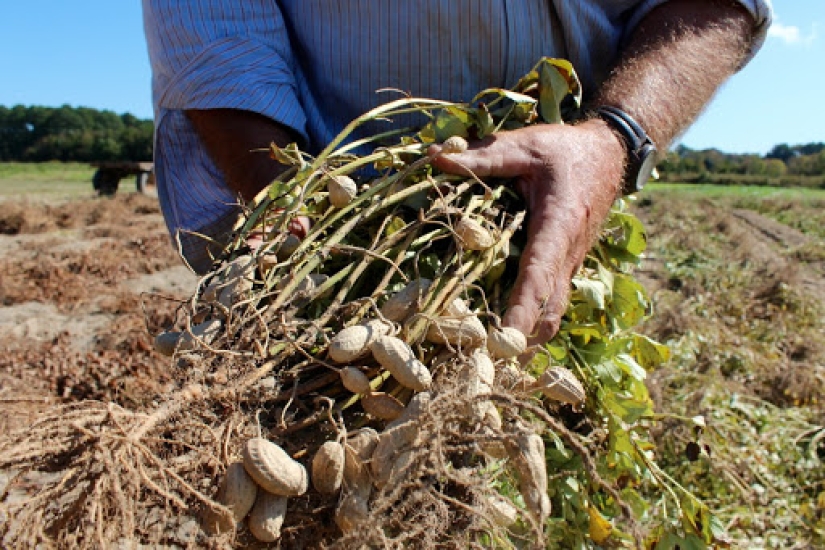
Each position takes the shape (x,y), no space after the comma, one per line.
(636,140)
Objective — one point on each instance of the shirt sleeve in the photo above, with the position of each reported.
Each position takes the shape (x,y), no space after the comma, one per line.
(208,54)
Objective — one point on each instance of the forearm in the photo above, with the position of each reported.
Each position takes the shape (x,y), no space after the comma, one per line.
(678,57)
(233,139)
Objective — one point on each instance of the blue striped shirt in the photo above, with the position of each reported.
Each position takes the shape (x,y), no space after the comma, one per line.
(314,65)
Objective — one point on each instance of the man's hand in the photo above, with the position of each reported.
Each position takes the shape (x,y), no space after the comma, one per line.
(569,176)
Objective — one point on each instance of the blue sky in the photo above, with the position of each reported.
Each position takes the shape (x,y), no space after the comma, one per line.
(92,53)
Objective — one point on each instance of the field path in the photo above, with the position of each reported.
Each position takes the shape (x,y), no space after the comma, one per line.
(777,243)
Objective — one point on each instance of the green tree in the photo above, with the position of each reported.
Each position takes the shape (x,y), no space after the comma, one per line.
(775,168)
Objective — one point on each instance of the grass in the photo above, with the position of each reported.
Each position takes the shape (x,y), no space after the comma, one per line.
(699,190)
(45,180)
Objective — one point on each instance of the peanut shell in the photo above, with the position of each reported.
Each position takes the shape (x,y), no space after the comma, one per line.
(353,508)
(473,235)
(465,331)
(562,385)
(226,284)
(281,253)
(399,359)
(526,450)
(205,332)
(506,342)
(502,512)
(513,378)
(483,367)
(267,516)
(167,342)
(237,491)
(398,435)
(354,380)
(273,469)
(406,301)
(382,405)
(235,291)
(341,189)
(359,448)
(454,144)
(353,342)
(401,466)
(328,468)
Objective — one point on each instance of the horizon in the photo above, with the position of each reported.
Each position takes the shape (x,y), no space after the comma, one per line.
(102,63)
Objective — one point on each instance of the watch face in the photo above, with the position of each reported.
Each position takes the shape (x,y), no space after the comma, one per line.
(646,168)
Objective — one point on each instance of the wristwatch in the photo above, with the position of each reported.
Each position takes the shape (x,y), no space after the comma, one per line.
(641,151)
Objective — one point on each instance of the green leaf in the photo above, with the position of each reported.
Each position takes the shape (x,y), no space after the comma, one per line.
(717,529)
(608,372)
(430,265)
(697,519)
(594,292)
(620,443)
(692,542)
(593,352)
(629,409)
(637,503)
(529,80)
(553,87)
(586,331)
(523,113)
(557,350)
(278,190)
(630,303)
(485,125)
(289,155)
(566,70)
(515,97)
(395,225)
(606,277)
(649,353)
(626,232)
(630,366)
(451,121)
(670,541)
(581,312)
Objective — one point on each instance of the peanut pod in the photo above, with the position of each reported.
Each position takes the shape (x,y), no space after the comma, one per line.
(473,235)
(506,342)
(399,359)
(273,469)
(354,380)
(328,468)
(267,516)
(382,405)
(562,385)
(407,301)
(354,342)
(526,451)
(342,189)
(398,435)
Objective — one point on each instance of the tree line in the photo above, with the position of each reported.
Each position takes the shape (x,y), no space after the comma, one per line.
(78,134)
(786,165)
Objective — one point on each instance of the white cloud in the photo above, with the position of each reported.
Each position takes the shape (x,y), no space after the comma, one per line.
(790,34)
